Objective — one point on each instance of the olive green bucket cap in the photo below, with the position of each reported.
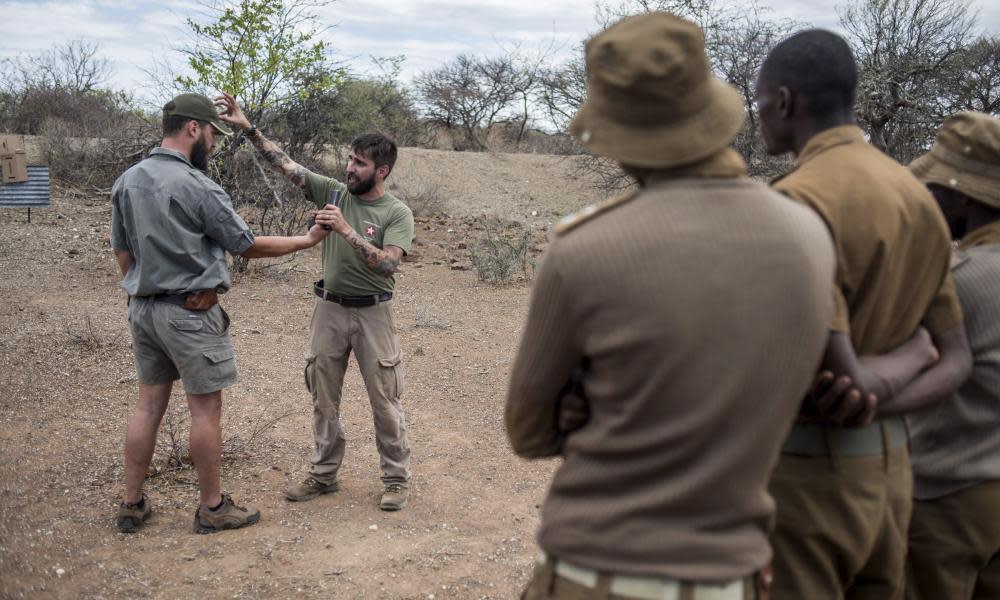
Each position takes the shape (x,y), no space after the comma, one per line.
(652,99)
(965,157)
(198,107)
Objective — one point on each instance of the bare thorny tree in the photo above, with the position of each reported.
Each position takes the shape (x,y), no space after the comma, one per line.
(904,48)
(736,42)
(919,62)
(471,95)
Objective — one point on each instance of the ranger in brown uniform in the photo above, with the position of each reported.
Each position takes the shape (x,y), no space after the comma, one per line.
(954,535)
(700,304)
(844,494)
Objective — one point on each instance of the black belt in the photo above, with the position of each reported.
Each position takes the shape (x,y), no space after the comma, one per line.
(353,301)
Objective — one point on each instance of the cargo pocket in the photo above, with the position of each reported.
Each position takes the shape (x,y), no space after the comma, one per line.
(391,372)
(187,325)
(221,365)
(309,374)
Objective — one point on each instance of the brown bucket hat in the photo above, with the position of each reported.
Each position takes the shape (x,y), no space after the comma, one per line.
(652,100)
(965,157)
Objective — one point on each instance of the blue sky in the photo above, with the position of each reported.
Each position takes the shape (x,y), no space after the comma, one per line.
(135,35)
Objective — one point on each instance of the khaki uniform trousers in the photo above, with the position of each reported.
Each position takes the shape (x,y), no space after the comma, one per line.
(371,333)
(551,581)
(841,526)
(955,546)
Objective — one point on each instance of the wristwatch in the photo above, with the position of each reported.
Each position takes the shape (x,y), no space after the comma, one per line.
(250,132)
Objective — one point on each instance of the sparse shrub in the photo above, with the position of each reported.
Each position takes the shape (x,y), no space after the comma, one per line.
(501,254)
(427,317)
(90,338)
(424,197)
(174,449)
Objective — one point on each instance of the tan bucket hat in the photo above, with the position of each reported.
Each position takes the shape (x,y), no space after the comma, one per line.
(965,157)
(652,100)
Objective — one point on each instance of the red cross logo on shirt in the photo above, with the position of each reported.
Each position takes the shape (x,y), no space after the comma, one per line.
(370,231)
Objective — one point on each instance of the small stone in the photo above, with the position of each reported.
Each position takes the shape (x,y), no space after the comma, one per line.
(60,571)
(373,527)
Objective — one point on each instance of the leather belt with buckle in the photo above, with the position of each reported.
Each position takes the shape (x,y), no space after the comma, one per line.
(199,300)
(353,301)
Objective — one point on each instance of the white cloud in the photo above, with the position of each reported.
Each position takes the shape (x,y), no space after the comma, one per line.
(428,33)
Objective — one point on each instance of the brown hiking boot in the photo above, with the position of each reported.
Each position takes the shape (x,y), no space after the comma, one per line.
(308,489)
(394,497)
(227,516)
(131,517)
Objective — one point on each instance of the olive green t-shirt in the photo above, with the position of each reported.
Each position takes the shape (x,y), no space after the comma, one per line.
(383,222)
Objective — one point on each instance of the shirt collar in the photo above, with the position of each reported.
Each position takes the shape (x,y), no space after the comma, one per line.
(988,234)
(172,154)
(830,138)
(725,164)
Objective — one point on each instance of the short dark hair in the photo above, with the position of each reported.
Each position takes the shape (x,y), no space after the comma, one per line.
(818,65)
(174,123)
(377,147)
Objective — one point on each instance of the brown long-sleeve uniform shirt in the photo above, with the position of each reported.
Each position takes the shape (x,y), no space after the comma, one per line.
(703,306)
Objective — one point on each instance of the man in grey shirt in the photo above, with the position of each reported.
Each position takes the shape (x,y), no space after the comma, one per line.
(954,536)
(171,227)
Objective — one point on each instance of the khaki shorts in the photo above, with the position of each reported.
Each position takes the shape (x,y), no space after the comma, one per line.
(171,343)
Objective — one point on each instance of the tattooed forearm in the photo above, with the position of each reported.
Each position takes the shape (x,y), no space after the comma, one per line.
(380,261)
(279,161)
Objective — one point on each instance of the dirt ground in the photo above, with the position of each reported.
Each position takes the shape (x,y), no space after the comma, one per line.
(67,385)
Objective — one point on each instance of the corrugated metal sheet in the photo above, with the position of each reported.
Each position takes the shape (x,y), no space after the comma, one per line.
(33,192)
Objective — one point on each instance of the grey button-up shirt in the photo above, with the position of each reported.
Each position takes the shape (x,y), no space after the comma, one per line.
(177,224)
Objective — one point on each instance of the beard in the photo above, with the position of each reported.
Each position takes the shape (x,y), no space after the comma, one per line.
(199,154)
(360,186)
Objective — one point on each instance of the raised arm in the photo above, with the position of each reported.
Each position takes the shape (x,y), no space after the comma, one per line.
(275,156)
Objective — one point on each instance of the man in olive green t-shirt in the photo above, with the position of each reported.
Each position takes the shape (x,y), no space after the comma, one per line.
(353,310)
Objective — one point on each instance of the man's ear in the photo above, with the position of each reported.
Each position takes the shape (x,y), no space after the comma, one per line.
(784,103)
(191,128)
(383,171)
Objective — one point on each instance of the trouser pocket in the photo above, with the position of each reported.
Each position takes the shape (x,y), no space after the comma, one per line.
(309,374)
(391,375)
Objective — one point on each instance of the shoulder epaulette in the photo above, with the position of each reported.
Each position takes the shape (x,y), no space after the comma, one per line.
(573,220)
(204,180)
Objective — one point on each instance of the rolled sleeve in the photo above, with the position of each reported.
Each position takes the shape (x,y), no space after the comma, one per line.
(224,225)
(119,239)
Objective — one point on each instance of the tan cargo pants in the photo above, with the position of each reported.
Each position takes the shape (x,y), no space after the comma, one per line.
(955,546)
(841,526)
(371,333)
